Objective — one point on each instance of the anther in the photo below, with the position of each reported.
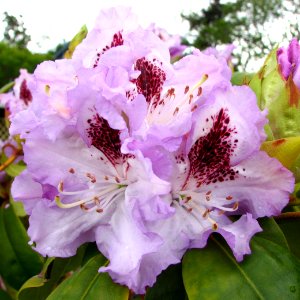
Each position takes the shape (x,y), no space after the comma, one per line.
(215,226)
(186,89)
(83,207)
(199,91)
(206,213)
(99,210)
(60,186)
(96,200)
(229,198)
(235,206)
(71,170)
(176,111)
(194,108)
(91,177)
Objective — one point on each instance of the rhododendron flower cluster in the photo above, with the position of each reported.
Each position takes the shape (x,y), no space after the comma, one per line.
(289,62)
(144,157)
(20,98)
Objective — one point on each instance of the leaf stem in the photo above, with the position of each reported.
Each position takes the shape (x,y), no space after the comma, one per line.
(288,215)
(294,203)
(7,87)
(12,158)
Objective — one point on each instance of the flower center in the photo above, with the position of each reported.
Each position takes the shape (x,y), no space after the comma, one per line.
(95,198)
(204,205)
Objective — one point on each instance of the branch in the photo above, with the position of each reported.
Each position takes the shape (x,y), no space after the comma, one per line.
(288,215)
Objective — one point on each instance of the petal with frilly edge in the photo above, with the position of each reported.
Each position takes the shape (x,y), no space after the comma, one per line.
(59,232)
(239,233)
(26,190)
(262,186)
(136,257)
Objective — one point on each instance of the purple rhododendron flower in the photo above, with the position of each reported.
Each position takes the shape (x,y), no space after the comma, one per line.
(21,97)
(289,62)
(223,53)
(173,41)
(143,157)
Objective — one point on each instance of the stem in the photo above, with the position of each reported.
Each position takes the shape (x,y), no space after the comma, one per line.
(9,161)
(7,87)
(294,203)
(12,158)
(288,215)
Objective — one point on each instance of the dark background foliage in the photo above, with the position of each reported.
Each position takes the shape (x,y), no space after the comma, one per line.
(244,22)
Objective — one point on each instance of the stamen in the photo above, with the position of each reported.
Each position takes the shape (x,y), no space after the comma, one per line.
(194,108)
(215,226)
(60,186)
(199,91)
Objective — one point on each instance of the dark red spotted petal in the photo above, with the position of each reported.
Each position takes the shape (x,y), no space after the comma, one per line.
(210,155)
(116,41)
(104,138)
(150,81)
(25,93)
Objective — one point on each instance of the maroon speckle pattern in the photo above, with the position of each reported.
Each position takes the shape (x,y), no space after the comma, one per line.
(104,138)
(151,80)
(116,41)
(25,93)
(210,155)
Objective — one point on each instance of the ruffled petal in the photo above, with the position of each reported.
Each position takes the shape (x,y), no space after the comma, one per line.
(239,234)
(262,186)
(26,190)
(59,232)
(136,257)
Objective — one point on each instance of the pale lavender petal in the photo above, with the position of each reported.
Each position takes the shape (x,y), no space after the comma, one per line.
(26,190)
(239,233)
(59,232)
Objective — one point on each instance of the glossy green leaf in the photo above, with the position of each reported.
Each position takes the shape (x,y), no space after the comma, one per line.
(18,261)
(89,284)
(285,150)
(281,98)
(7,87)
(270,272)
(4,296)
(39,287)
(14,170)
(291,229)
(241,78)
(76,41)
(168,286)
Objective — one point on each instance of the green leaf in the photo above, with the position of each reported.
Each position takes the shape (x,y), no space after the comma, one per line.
(270,272)
(77,39)
(39,287)
(168,286)
(281,97)
(7,87)
(291,229)
(14,170)
(18,261)
(285,150)
(241,78)
(89,284)
(4,296)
